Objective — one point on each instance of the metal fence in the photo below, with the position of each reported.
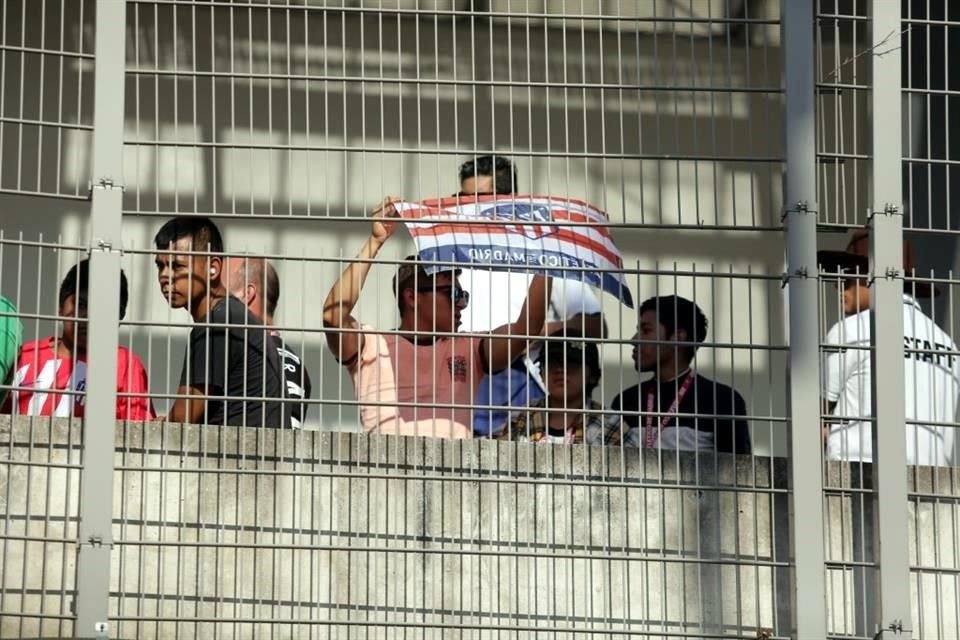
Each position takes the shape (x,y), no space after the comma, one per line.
(726,141)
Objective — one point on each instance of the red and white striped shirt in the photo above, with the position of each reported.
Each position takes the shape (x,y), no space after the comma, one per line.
(41,374)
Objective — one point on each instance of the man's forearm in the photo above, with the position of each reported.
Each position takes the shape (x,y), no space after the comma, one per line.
(591,325)
(190,409)
(345,292)
(534,311)
(514,336)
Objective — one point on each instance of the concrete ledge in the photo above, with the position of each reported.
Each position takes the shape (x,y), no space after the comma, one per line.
(308,534)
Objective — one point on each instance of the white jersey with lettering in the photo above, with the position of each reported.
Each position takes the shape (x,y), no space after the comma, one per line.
(931,388)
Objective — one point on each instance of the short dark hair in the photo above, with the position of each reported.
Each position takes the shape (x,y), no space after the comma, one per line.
(200,229)
(78,280)
(675,313)
(500,168)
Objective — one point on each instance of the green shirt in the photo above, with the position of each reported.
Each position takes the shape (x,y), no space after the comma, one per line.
(11,336)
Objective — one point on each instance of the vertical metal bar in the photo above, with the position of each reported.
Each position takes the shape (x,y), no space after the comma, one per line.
(96,479)
(886,240)
(804,392)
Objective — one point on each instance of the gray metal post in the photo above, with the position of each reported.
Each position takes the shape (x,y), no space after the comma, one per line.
(804,394)
(96,479)
(889,457)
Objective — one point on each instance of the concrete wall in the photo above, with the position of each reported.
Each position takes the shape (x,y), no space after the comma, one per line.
(322,535)
(316,534)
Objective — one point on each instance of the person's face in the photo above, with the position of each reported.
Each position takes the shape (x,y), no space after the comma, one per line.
(183,278)
(565,380)
(647,353)
(856,296)
(437,305)
(477,185)
(74,332)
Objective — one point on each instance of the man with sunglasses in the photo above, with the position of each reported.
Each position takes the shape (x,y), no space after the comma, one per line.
(421,378)
(498,296)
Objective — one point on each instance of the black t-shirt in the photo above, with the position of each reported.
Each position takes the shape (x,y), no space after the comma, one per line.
(728,431)
(231,361)
(296,382)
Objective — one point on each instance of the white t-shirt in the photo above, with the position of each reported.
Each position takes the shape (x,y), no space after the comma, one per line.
(497,297)
(931,387)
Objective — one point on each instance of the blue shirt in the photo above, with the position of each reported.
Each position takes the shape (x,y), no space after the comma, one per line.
(511,388)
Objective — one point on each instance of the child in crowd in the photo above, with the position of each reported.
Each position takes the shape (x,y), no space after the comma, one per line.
(571,370)
(51,374)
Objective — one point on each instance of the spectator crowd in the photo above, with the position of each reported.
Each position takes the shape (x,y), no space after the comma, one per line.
(493,353)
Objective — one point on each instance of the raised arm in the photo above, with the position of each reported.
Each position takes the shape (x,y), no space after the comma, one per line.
(590,325)
(343,296)
(509,341)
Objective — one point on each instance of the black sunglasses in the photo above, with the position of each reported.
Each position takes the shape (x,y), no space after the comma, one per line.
(457,294)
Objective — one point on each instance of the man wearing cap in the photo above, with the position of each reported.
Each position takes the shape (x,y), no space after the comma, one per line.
(677,408)
(931,367)
(420,379)
(571,370)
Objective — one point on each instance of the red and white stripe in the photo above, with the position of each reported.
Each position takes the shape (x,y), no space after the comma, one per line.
(454,221)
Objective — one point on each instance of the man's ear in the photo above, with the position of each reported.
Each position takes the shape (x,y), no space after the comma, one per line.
(680,335)
(249,293)
(215,267)
(409,298)
(63,304)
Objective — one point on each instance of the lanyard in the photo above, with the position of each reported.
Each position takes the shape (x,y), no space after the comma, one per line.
(650,434)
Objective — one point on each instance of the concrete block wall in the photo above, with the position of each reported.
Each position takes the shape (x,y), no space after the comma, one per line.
(230,534)
(302,535)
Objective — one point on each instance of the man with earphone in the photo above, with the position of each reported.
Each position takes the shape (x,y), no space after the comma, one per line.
(229,373)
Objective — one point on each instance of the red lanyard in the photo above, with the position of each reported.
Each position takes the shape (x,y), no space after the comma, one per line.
(651,435)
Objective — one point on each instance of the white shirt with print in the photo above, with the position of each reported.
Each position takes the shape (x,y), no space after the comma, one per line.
(931,388)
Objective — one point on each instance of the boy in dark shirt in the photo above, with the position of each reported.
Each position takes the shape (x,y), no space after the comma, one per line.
(681,408)
(227,365)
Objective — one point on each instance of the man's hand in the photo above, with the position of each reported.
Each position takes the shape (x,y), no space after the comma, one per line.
(826,425)
(381,230)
